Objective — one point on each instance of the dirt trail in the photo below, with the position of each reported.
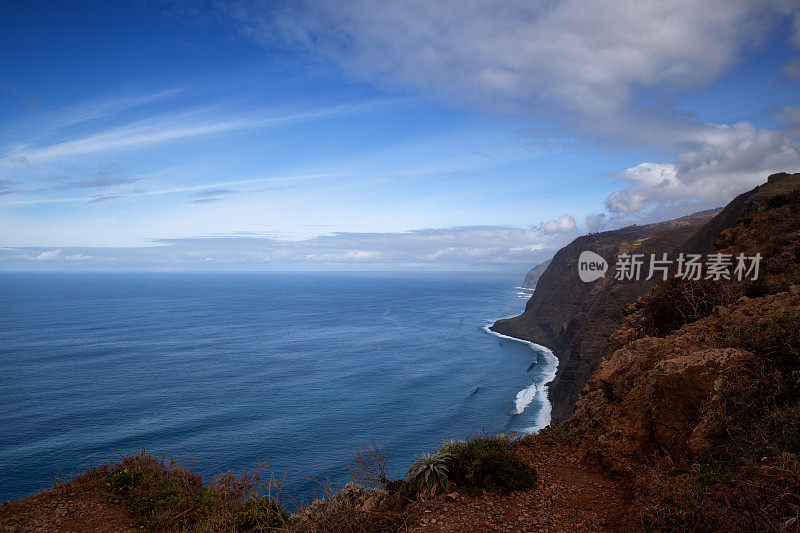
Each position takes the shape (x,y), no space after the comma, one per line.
(72,508)
(569,497)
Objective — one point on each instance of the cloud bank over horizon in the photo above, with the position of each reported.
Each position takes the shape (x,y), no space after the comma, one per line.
(482,247)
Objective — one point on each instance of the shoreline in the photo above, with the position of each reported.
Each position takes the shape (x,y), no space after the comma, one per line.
(541,389)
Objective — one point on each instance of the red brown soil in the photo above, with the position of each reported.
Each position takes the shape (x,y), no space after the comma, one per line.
(570,496)
(78,508)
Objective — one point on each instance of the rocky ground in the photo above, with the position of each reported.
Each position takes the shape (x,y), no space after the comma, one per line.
(72,508)
(570,497)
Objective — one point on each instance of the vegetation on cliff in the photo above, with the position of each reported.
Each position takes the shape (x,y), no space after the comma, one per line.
(574,318)
(165,495)
(698,398)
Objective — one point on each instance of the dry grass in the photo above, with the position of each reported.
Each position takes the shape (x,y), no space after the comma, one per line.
(351,507)
(719,496)
(369,464)
(750,480)
(165,495)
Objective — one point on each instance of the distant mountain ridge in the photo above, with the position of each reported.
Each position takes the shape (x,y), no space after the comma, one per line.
(575,319)
(533,275)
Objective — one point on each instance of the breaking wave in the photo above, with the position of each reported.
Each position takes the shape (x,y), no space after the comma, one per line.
(546,365)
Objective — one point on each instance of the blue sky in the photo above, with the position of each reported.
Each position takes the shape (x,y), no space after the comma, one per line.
(378,135)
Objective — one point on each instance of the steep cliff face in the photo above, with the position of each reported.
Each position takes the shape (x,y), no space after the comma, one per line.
(575,319)
(668,395)
(532,277)
(698,396)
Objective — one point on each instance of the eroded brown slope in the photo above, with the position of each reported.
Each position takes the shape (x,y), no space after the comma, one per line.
(698,397)
(575,319)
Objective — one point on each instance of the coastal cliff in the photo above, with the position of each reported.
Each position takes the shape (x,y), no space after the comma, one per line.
(576,319)
(698,395)
(533,275)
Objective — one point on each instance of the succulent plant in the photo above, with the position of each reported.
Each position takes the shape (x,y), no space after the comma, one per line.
(428,474)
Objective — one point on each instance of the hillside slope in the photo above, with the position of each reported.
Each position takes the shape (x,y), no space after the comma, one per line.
(575,319)
(698,397)
(533,275)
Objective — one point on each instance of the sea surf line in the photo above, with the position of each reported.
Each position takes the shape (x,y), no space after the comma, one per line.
(537,388)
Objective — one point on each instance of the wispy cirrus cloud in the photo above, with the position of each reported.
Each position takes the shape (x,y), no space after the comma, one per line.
(44,125)
(176,190)
(211,195)
(106,175)
(174,127)
(7,187)
(109,106)
(93,182)
(608,70)
(103,198)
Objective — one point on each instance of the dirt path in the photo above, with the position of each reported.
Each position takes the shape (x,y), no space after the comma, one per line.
(74,508)
(569,497)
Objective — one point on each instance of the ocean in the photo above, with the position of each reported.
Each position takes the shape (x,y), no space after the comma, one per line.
(227,369)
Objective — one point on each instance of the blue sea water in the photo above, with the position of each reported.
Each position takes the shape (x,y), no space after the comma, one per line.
(224,370)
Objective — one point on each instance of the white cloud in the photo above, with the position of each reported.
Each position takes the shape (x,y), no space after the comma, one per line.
(109,106)
(563,224)
(586,57)
(731,159)
(168,128)
(594,221)
(443,247)
(47,255)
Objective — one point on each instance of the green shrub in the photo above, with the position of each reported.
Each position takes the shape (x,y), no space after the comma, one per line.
(254,512)
(125,480)
(714,471)
(488,463)
(560,431)
(779,200)
(165,495)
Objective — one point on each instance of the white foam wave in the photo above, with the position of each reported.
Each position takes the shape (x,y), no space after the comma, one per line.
(524,398)
(548,364)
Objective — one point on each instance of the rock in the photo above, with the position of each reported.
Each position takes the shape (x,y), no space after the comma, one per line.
(666,394)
